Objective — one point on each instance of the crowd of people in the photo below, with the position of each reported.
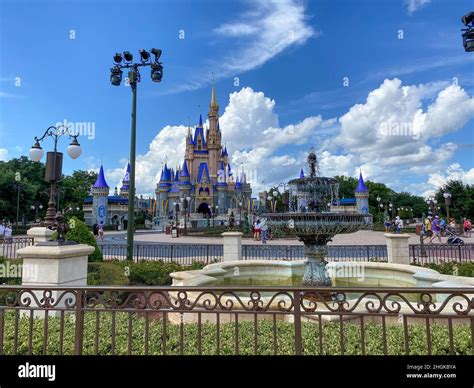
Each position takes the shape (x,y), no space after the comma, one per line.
(437,227)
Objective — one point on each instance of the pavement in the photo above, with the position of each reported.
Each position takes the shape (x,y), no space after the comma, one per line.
(362,237)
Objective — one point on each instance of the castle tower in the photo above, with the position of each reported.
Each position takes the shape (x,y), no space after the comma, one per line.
(362,196)
(100,194)
(213,136)
(125,182)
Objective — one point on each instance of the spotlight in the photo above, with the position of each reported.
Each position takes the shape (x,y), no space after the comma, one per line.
(128,56)
(118,58)
(145,55)
(156,72)
(468,18)
(115,76)
(156,53)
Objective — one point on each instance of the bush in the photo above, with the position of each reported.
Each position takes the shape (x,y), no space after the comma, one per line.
(81,234)
(106,273)
(449,268)
(172,334)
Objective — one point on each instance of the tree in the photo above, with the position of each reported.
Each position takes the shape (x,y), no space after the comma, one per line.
(462,199)
(81,234)
(75,188)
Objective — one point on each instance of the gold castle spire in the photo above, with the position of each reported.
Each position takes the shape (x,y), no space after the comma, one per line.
(213,96)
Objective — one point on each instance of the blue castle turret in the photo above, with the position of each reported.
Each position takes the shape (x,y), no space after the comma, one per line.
(362,196)
(100,193)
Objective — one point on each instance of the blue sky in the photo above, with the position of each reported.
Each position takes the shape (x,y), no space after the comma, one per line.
(291,59)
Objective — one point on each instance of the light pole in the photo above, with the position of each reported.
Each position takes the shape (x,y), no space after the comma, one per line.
(185,207)
(468,33)
(447,201)
(240,213)
(54,163)
(134,79)
(36,208)
(18,186)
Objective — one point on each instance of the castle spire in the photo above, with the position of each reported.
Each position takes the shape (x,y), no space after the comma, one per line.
(101,182)
(361,187)
(213,96)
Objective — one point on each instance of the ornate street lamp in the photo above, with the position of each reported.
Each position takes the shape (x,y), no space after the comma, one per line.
(54,162)
(134,78)
(240,213)
(468,32)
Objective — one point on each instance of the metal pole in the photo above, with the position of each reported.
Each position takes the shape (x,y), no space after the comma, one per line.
(131,192)
(18,206)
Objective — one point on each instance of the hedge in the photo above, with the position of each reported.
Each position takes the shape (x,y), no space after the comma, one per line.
(285,337)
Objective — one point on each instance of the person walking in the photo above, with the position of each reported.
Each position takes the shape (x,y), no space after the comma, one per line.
(264,229)
(467,226)
(436,229)
(2,230)
(257,229)
(95,230)
(101,231)
(387,224)
(8,234)
(398,224)
(427,225)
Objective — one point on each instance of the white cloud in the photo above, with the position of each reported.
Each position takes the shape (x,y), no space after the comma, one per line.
(3,154)
(453,172)
(253,38)
(415,5)
(271,153)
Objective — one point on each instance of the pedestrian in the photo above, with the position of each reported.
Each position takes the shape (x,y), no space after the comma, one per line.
(264,229)
(398,224)
(442,225)
(387,224)
(427,224)
(467,226)
(95,230)
(2,229)
(101,230)
(8,234)
(436,229)
(257,229)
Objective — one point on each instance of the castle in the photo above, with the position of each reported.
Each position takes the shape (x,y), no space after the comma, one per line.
(205,182)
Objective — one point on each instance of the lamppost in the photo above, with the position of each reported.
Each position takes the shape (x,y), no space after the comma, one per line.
(185,208)
(176,211)
(240,213)
(431,203)
(270,199)
(468,33)
(134,79)
(36,207)
(447,201)
(378,199)
(18,186)
(54,163)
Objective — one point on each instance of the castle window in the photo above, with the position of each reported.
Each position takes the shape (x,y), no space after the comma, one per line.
(199,144)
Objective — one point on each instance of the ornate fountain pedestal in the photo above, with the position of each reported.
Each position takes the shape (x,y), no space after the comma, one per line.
(315,273)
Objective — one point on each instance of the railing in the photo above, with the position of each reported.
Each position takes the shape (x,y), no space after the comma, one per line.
(296,252)
(184,254)
(236,320)
(9,246)
(441,253)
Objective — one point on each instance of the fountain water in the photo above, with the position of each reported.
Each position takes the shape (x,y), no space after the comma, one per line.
(310,219)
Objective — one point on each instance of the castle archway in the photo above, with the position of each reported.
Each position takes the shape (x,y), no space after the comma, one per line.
(204,209)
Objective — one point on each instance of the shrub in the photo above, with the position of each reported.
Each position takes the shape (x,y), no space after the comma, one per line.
(80,233)
(449,268)
(106,273)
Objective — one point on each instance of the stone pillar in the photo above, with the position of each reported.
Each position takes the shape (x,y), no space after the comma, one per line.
(40,233)
(53,266)
(397,248)
(232,246)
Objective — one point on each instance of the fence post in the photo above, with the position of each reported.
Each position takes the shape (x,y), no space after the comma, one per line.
(79,336)
(171,252)
(368,253)
(297,315)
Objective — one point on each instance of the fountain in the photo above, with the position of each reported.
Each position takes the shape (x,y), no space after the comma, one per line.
(309,219)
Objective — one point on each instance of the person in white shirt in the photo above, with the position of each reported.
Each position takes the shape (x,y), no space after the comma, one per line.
(2,229)
(8,233)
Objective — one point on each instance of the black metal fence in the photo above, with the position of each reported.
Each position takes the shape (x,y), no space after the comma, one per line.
(441,253)
(9,246)
(236,320)
(184,254)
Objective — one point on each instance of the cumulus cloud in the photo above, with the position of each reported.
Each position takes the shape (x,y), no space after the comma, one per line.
(272,153)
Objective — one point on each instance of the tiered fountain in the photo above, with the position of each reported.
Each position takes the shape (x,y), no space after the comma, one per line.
(309,219)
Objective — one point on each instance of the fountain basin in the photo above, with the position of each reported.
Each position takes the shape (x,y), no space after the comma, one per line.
(261,273)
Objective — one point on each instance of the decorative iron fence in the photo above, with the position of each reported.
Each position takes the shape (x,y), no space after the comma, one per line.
(441,253)
(9,246)
(184,254)
(296,252)
(236,320)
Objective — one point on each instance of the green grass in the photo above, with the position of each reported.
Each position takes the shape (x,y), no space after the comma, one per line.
(285,337)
